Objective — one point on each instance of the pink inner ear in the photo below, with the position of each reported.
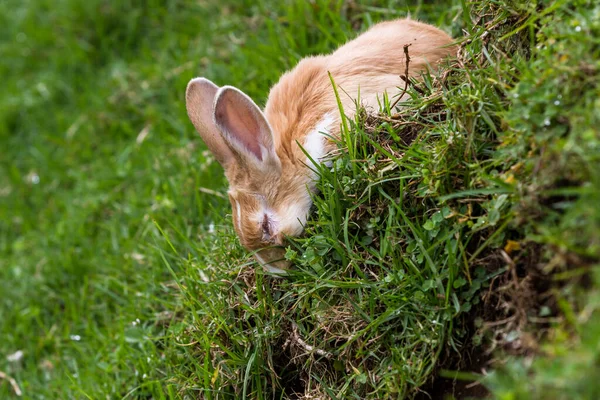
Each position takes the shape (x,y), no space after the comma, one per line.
(241,123)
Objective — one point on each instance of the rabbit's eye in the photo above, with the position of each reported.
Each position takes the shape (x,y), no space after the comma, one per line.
(266,228)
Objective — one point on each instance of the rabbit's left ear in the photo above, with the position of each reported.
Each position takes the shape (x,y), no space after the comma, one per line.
(244,126)
(199,99)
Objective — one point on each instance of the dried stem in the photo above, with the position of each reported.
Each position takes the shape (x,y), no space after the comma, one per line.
(310,349)
(12,382)
(405,76)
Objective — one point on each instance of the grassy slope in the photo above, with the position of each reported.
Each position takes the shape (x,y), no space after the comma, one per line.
(120,279)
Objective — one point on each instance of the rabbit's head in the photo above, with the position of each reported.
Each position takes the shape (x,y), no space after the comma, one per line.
(268,194)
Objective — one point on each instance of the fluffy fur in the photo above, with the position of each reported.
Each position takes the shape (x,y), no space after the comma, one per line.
(270,182)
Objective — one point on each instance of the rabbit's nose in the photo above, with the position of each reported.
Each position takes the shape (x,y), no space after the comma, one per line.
(269,231)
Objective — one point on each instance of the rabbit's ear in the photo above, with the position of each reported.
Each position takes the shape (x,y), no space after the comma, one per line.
(199,99)
(244,126)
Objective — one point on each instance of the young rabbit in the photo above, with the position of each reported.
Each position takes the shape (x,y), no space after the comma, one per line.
(269,175)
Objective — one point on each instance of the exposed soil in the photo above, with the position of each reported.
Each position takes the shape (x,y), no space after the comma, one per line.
(516,313)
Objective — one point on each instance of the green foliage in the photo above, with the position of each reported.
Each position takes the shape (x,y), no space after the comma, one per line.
(551,149)
(553,141)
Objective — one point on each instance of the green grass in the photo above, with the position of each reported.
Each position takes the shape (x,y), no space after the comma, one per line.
(474,203)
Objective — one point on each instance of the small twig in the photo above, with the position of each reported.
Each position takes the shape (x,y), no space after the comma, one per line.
(472,200)
(472,384)
(499,322)
(212,192)
(414,86)
(187,344)
(307,346)
(12,382)
(405,76)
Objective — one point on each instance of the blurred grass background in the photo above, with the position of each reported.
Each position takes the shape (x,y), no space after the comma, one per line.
(108,249)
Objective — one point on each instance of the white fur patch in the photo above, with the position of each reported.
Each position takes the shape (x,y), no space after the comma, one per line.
(315,139)
(293,217)
(238,215)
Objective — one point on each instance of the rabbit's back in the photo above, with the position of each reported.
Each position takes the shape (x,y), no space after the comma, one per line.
(362,68)
(381,49)
(374,61)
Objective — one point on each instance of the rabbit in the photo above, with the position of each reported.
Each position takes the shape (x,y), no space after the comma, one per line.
(270,179)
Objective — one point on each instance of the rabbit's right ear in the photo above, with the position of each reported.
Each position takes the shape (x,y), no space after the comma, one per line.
(199,99)
(245,128)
